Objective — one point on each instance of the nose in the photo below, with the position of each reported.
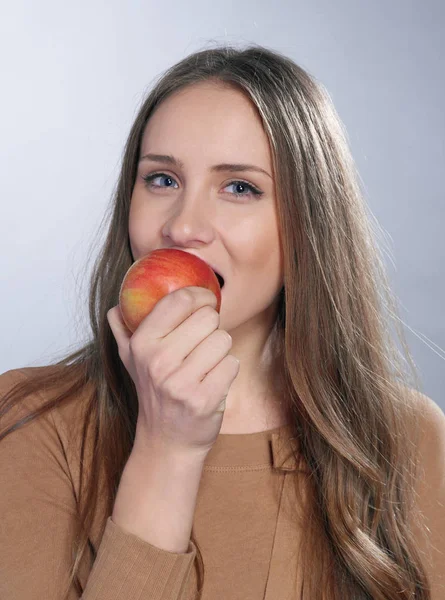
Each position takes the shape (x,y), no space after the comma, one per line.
(190,224)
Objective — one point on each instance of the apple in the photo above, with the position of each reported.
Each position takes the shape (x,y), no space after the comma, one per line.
(158,273)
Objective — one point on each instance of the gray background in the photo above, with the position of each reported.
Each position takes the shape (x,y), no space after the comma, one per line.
(73,76)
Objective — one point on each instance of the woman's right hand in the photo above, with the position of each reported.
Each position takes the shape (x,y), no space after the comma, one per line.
(179,361)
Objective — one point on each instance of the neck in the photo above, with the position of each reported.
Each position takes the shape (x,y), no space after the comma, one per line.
(253,401)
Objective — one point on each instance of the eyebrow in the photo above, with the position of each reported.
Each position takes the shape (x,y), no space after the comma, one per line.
(166,158)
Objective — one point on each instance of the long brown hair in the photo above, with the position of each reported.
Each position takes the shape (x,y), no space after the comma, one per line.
(342,377)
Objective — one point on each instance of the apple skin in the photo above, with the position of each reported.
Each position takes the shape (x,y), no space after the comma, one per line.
(158,273)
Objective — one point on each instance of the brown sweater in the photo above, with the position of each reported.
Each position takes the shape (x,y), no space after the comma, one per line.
(247,533)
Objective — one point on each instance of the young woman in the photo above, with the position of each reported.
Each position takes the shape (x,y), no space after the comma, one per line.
(280,442)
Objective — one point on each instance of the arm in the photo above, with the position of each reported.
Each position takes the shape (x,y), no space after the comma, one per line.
(156,498)
(39,513)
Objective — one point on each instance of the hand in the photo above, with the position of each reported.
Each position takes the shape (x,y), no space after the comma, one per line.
(179,361)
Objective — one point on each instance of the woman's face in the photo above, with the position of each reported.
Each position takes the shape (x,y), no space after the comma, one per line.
(191,201)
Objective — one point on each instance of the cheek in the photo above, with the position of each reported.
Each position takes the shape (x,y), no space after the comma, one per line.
(141,230)
(260,243)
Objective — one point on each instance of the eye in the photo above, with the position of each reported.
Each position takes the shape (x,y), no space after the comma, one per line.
(150,178)
(251,189)
(247,186)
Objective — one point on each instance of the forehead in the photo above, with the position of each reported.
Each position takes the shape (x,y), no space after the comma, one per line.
(209,119)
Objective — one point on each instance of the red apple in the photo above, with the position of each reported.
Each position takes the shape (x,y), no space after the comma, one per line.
(153,276)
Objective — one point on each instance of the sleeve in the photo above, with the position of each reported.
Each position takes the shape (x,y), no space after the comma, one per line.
(38,508)
(430,494)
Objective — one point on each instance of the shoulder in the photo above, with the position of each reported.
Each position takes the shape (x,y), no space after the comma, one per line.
(55,433)
(8,379)
(426,426)
(430,488)
(17,396)
(28,389)
(429,421)
(433,421)
(14,377)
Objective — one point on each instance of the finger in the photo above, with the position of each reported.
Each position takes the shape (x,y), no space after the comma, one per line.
(190,333)
(220,378)
(121,333)
(173,309)
(207,355)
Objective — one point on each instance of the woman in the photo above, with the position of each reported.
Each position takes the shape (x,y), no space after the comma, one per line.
(279,442)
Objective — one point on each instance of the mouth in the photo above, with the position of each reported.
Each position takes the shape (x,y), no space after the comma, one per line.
(220,279)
